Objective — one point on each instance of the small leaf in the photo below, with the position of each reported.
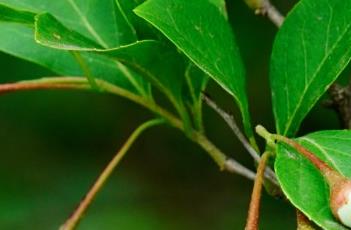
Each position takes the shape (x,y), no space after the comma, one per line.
(9,14)
(62,62)
(199,28)
(312,48)
(50,32)
(303,184)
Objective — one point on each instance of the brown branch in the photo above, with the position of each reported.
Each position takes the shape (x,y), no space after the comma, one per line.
(24,86)
(254,209)
(340,101)
(230,120)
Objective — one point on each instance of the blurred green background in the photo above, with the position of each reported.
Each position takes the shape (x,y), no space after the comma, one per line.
(54,144)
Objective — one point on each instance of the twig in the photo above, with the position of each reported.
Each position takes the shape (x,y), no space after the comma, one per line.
(25,86)
(265,7)
(222,160)
(254,209)
(340,101)
(74,219)
(234,167)
(229,119)
(272,13)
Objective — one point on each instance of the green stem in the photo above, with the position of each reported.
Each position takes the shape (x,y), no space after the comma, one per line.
(85,68)
(270,139)
(74,219)
(80,83)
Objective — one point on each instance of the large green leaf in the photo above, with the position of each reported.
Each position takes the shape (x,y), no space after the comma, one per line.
(199,28)
(303,184)
(18,39)
(311,49)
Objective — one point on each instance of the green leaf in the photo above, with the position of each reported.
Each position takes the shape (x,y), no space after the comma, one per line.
(142,29)
(9,14)
(52,33)
(303,184)
(199,28)
(100,21)
(311,49)
(63,62)
(161,64)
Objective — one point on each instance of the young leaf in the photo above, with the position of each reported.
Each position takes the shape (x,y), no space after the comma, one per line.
(62,62)
(100,21)
(199,28)
(303,184)
(51,33)
(311,49)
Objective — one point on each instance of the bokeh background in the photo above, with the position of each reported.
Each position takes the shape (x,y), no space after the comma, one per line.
(54,144)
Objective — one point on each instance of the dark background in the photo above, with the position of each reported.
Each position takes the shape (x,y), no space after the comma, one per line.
(54,144)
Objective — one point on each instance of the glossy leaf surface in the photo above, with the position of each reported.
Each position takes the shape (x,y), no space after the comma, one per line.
(312,48)
(200,29)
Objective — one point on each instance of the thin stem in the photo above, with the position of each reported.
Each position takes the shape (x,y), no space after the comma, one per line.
(25,86)
(272,13)
(74,219)
(262,131)
(254,209)
(85,68)
(196,105)
(229,119)
(265,7)
(219,157)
